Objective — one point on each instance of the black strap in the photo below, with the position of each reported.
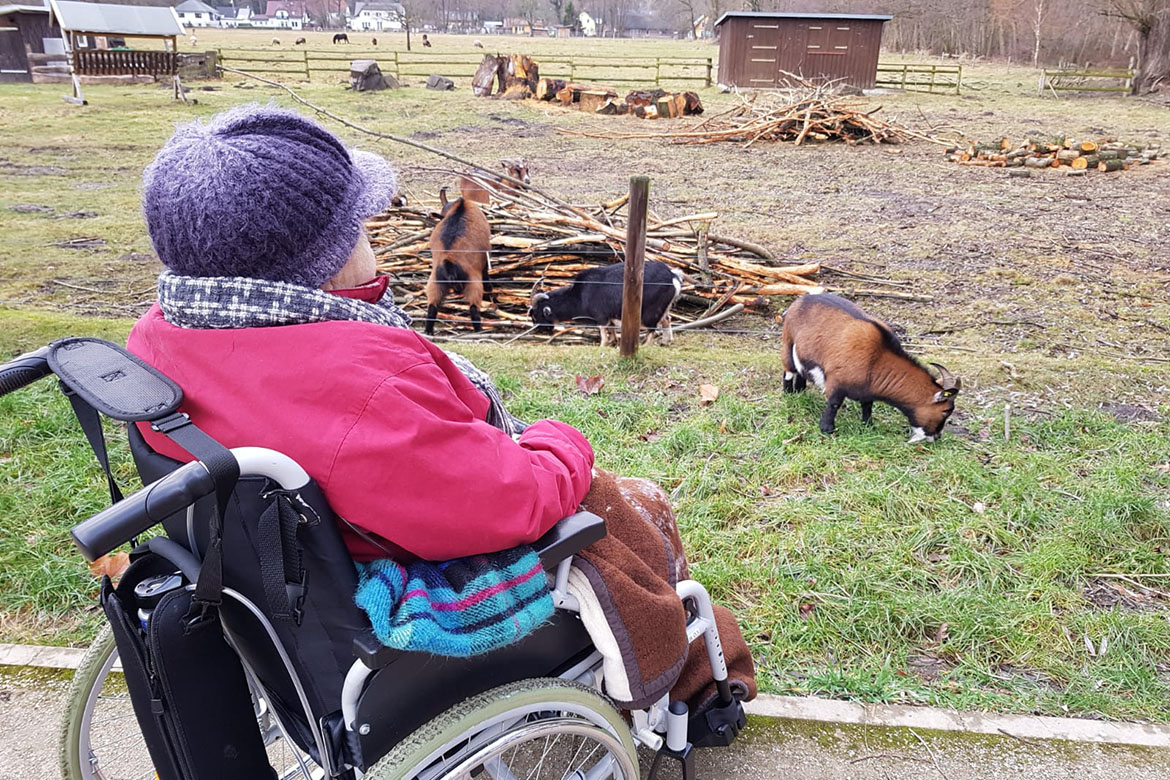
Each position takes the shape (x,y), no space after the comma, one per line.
(225,471)
(91,424)
(281,570)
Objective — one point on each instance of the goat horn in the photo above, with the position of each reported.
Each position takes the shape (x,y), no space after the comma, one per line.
(948,380)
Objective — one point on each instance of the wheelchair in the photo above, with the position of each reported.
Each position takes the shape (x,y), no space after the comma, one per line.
(329,699)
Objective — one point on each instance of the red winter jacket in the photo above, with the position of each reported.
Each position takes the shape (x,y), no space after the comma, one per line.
(384,422)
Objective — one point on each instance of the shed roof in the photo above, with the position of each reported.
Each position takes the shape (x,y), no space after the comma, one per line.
(779,15)
(105,19)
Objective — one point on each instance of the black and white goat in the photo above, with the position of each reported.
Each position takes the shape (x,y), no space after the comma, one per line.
(595,296)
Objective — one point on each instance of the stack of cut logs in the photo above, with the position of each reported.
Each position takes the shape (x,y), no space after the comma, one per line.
(540,241)
(642,103)
(1076,157)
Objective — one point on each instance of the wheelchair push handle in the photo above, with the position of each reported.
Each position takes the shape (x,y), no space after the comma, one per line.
(24,370)
(139,512)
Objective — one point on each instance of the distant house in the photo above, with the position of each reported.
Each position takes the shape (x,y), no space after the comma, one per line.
(643,26)
(196,13)
(588,25)
(517,25)
(283,15)
(493,27)
(377,16)
(227,15)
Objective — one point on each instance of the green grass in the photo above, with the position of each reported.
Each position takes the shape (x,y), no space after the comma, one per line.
(844,557)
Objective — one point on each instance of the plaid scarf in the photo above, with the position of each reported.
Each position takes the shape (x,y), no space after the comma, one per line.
(460,608)
(236,302)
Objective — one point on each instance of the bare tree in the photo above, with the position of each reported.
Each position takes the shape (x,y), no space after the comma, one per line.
(688,7)
(1151,20)
(1039,17)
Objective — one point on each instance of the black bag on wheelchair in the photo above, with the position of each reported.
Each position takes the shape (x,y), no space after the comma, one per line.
(188,688)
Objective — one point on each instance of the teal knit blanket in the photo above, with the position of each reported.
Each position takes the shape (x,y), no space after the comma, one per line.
(458,608)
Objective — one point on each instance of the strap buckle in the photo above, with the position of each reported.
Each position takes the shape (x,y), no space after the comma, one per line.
(172,422)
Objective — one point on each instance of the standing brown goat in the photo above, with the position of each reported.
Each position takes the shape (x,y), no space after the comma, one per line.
(460,260)
(479,187)
(850,354)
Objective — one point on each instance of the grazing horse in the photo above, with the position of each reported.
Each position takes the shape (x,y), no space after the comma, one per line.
(341,38)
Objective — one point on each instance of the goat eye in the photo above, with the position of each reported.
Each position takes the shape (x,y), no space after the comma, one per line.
(548,311)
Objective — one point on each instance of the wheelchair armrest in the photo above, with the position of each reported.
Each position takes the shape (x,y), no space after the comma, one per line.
(568,537)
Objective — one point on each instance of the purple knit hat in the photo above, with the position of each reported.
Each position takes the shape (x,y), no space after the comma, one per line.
(261,192)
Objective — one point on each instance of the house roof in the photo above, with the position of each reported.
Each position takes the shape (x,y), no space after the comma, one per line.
(379,5)
(105,19)
(195,7)
(294,8)
(777,15)
(16,9)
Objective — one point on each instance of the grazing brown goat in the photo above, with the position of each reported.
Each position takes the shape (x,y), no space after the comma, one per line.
(850,354)
(460,260)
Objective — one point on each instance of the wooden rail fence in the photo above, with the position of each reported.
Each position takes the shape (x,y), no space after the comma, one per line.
(100,62)
(920,77)
(1066,80)
(627,70)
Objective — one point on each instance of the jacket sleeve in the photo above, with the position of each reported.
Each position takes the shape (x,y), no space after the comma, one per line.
(419,469)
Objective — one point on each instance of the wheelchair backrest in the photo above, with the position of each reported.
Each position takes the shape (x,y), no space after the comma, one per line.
(318,637)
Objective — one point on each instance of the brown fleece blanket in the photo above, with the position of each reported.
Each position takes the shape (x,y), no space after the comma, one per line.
(625,584)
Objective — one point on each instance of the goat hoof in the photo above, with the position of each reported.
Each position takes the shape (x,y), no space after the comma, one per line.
(828,430)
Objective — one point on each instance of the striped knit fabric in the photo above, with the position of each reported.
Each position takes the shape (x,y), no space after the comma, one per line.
(459,608)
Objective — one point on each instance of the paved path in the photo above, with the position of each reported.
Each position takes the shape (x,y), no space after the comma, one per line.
(31,703)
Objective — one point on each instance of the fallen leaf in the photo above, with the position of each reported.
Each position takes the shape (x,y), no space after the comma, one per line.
(979,507)
(723,426)
(1163,467)
(111,565)
(650,435)
(806,609)
(602,413)
(940,636)
(708,394)
(591,385)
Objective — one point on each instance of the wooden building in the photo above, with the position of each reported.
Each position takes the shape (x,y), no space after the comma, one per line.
(759,49)
(24,30)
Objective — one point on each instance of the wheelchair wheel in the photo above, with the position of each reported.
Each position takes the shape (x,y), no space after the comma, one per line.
(532,729)
(100,739)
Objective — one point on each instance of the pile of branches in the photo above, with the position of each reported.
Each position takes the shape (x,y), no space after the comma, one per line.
(811,114)
(541,242)
(1075,157)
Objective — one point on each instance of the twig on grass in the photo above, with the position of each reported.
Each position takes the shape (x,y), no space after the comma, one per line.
(930,750)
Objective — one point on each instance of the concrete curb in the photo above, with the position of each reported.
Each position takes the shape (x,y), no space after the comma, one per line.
(936,719)
(816,710)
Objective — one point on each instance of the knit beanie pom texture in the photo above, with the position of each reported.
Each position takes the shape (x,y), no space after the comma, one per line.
(261,192)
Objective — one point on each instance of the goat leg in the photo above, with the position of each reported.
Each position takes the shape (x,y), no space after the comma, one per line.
(829,418)
(475,323)
(867,412)
(432,318)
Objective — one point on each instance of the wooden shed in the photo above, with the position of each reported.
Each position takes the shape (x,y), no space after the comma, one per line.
(760,48)
(24,30)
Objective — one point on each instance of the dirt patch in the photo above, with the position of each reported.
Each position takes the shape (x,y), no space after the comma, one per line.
(1130,413)
(137,257)
(32,170)
(81,243)
(1108,594)
(31,208)
(75,215)
(926,668)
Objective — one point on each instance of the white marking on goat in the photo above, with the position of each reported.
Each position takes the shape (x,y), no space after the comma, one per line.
(789,376)
(796,362)
(919,434)
(817,376)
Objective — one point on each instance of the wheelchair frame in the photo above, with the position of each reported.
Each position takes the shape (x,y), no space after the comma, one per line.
(662,727)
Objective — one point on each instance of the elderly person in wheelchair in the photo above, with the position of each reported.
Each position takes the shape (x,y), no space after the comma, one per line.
(508,594)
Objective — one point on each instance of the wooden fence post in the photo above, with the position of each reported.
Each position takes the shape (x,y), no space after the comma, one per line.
(307,76)
(658,71)
(635,258)
(709,64)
